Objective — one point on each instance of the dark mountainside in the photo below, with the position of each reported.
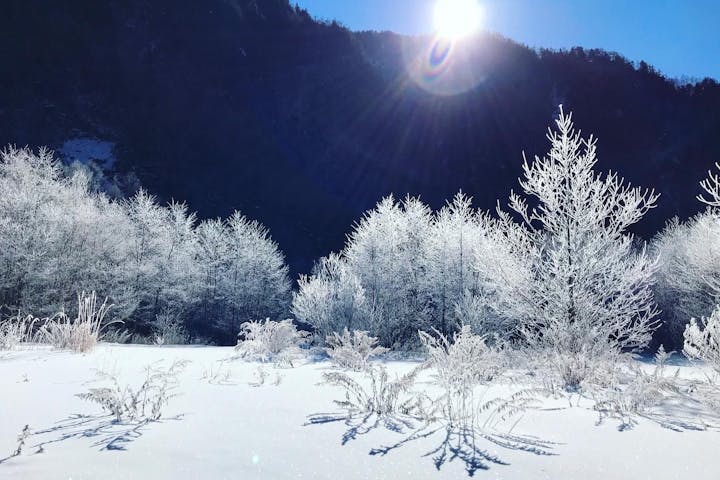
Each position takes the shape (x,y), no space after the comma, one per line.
(252,105)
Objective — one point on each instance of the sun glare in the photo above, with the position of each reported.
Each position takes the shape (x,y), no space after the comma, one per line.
(457,18)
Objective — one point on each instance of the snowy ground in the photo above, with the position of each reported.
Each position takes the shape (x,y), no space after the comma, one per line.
(223,427)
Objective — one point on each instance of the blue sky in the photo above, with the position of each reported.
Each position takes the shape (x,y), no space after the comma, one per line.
(679,37)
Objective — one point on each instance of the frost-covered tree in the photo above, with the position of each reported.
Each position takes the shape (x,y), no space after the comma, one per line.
(404,267)
(385,252)
(332,299)
(59,236)
(57,239)
(688,278)
(456,235)
(590,291)
(160,272)
(242,274)
(711,185)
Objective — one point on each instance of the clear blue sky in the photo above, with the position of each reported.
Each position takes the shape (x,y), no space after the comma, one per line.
(678,37)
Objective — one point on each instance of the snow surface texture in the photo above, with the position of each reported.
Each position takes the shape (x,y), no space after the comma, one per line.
(236,419)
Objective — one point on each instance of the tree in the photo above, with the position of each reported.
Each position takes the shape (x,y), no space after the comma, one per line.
(60,237)
(688,277)
(242,272)
(453,241)
(385,251)
(332,299)
(590,293)
(711,185)
(688,280)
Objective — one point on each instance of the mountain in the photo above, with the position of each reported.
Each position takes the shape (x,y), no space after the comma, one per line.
(303,125)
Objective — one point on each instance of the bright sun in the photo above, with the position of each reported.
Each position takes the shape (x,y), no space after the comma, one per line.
(457,18)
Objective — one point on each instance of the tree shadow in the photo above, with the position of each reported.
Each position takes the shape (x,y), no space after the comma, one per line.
(457,443)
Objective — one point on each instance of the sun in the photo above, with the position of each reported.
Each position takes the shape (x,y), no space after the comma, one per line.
(457,18)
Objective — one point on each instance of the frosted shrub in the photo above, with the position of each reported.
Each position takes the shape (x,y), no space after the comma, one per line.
(643,392)
(460,365)
(82,333)
(352,350)
(271,341)
(142,404)
(17,330)
(702,340)
(384,396)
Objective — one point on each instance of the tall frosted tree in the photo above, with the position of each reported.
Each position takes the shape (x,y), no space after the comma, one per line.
(242,273)
(590,292)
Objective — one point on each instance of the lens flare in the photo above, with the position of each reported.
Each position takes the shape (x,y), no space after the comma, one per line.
(457,18)
(443,66)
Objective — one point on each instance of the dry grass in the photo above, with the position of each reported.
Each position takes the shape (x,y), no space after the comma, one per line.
(16,331)
(82,333)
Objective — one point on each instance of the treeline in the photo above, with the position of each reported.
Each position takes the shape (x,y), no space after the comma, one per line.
(154,263)
(566,272)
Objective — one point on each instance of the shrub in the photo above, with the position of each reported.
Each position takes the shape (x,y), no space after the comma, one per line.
(145,403)
(460,366)
(82,333)
(643,392)
(17,330)
(352,350)
(384,397)
(271,341)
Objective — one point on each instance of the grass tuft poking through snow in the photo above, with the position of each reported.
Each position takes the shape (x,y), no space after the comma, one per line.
(82,333)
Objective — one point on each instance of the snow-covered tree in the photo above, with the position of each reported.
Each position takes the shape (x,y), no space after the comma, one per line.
(385,252)
(454,239)
(257,282)
(688,278)
(711,185)
(160,271)
(332,298)
(404,267)
(590,293)
(242,273)
(60,237)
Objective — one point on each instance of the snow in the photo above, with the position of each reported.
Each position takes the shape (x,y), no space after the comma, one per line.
(223,427)
(85,150)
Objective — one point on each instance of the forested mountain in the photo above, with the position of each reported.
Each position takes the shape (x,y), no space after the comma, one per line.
(253,105)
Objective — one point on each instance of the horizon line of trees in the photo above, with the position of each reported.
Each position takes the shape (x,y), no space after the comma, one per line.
(561,272)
